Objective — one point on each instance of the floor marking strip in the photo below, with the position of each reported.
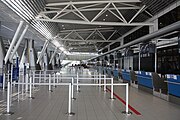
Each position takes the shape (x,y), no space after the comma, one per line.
(120,99)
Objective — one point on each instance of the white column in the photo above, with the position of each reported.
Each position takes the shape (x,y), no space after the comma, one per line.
(13,42)
(43,50)
(19,42)
(52,57)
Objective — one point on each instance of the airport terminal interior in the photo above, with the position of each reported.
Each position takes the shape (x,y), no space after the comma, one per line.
(90,60)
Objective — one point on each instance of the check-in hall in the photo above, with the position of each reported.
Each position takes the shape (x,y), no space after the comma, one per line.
(89,60)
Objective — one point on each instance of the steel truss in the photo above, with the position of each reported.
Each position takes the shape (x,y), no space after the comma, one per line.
(56,12)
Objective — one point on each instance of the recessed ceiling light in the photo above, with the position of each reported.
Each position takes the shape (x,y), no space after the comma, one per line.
(106,15)
(62,25)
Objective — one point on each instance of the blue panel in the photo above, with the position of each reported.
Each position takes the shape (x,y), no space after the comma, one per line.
(115,73)
(15,74)
(126,75)
(174,89)
(1,80)
(144,80)
(109,71)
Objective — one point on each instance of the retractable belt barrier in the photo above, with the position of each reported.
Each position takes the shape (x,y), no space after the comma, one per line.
(71,84)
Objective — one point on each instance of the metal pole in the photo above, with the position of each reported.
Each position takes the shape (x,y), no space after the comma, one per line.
(26,82)
(19,85)
(61,77)
(54,80)
(30,88)
(50,83)
(33,78)
(69,103)
(57,81)
(11,90)
(99,79)
(13,42)
(4,77)
(127,98)
(139,58)
(112,89)
(8,97)
(44,75)
(23,80)
(105,83)
(77,81)
(155,64)
(72,82)
(39,76)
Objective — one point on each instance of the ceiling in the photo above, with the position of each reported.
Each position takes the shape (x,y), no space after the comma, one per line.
(85,26)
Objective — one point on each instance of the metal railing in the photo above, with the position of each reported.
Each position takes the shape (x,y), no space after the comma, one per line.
(30,81)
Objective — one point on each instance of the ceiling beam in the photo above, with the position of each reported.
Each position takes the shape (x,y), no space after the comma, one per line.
(96,23)
(88,9)
(83,32)
(92,2)
(90,29)
(79,40)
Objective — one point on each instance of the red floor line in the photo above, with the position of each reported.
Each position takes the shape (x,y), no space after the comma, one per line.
(120,99)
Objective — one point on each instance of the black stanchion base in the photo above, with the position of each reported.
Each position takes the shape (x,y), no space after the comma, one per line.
(105,91)
(55,86)
(70,114)
(73,98)
(31,97)
(112,98)
(50,90)
(78,91)
(124,112)
(8,113)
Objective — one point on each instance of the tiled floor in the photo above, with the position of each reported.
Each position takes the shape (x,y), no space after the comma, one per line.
(91,103)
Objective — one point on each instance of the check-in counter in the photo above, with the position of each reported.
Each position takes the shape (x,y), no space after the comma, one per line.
(115,73)
(160,88)
(109,71)
(126,76)
(133,76)
(145,81)
(174,88)
(105,70)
